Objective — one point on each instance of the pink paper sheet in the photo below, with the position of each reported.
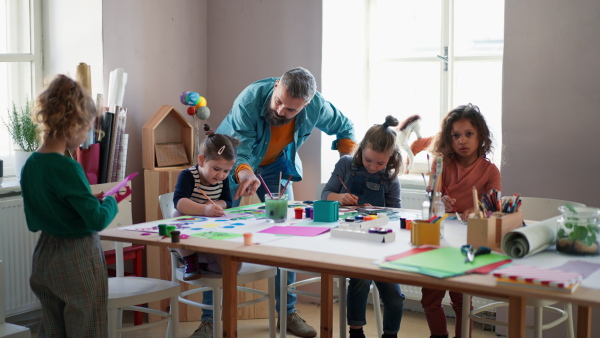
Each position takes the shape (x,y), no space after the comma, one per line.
(295,230)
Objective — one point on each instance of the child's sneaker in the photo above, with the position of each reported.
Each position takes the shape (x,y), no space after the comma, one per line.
(191,270)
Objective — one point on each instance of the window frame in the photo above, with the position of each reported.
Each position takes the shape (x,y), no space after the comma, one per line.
(34,58)
(447,78)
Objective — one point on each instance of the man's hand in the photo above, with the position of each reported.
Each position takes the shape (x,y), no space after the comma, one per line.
(249,183)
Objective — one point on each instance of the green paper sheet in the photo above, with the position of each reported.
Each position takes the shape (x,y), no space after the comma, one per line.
(442,262)
(216,235)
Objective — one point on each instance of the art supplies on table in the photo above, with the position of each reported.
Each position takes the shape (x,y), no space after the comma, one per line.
(540,278)
(372,230)
(444,262)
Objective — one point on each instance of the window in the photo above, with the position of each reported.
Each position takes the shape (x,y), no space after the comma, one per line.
(388,57)
(20,63)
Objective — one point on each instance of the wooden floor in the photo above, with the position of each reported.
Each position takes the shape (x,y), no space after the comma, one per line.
(413,325)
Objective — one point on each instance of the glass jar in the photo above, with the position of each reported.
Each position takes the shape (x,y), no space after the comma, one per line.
(578,231)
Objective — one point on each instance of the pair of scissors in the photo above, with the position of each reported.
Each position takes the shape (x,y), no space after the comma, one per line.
(467,250)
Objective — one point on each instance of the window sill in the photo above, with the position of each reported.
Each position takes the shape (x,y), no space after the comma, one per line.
(10,186)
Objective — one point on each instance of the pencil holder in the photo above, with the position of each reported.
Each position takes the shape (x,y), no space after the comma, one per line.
(481,232)
(326,211)
(423,232)
(506,223)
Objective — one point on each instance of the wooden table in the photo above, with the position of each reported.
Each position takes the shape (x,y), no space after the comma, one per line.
(332,264)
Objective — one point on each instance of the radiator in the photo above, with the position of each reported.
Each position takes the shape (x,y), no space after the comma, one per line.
(412,198)
(16,250)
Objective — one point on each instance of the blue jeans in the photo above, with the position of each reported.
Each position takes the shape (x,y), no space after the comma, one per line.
(391,296)
(207,298)
(270,174)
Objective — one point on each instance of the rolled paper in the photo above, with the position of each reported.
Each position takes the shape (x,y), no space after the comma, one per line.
(531,239)
(84,76)
(116,88)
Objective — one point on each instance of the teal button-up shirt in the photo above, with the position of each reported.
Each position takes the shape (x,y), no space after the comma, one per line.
(246,122)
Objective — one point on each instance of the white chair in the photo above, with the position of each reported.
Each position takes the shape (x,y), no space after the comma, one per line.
(533,209)
(319,191)
(341,281)
(538,208)
(213,281)
(125,292)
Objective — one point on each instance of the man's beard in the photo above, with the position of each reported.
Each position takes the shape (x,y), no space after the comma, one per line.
(273,119)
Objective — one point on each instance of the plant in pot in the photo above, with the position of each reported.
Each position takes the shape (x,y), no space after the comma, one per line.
(24,133)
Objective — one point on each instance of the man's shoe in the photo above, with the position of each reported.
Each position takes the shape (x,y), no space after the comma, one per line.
(205,330)
(298,326)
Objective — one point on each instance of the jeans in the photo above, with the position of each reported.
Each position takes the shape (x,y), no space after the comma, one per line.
(391,296)
(207,298)
(270,174)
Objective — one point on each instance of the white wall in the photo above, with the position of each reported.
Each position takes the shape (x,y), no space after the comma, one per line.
(252,39)
(73,34)
(161,45)
(551,105)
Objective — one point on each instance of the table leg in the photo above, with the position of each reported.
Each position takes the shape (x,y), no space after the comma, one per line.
(466,318)
(229,297)
(584,322)
(516,316)
(326,305)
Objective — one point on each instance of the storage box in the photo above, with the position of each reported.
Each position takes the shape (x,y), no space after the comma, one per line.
(481,232)
(167,126)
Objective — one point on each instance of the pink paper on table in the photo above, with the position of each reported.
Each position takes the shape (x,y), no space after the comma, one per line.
(295,230)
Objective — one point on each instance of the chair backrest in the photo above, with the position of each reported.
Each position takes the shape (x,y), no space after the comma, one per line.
(320,190)
(539,208)
(166,204)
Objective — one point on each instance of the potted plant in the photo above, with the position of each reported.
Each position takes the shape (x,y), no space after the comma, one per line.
(24,133)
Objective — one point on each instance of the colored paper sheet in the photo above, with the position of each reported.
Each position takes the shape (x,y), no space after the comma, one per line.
(216,235)
(295,230)
(442,262)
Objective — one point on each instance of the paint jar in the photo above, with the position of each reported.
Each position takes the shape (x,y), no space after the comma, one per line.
(162,229)
(175,236)
(299,212)
(276,208)
(248,238)
(309,212)
(170,228)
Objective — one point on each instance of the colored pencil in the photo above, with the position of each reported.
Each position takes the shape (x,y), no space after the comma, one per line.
(208,198)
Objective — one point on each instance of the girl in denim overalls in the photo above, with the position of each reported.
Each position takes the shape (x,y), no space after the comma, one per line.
(371,175)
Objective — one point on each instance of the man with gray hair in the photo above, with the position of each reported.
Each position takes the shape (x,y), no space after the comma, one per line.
(272,118)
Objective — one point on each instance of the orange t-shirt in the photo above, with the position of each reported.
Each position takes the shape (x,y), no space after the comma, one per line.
(280,138)
(458,182)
